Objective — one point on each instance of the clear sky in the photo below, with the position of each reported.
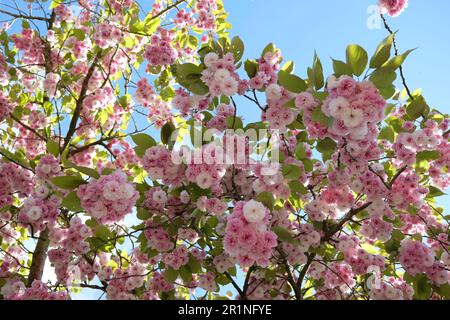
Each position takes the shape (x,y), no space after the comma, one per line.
(299,27)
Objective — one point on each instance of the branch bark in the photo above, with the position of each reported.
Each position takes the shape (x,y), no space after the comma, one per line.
(79,104)
(39,257)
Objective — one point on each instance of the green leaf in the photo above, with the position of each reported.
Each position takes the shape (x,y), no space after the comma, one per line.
(143,142)
(251,67)
(194,265)
(267,199)
(88,171)
(317,72)
(269,48)
(102,232)
(188,69)
(397,61)
(234,122)
(341,68)
(417,108)
(327,145)
(166,132)
(55,3)
(300,152)
(320,117)
(387,133)
(68,182)
(291,172)
(357,59)
(288,66)
(284,235)
(435,192)
(382,53)
(237,47)
(383,79)
(170,275)
(308,164)
(428,155)
(72,202)
(185,274)
(291,82)
(198,88)
(444,291)
(53,148)
(143,214)
(422,289)
(296,186)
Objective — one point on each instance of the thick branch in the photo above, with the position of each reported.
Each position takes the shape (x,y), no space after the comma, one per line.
(39,257)
(79,104)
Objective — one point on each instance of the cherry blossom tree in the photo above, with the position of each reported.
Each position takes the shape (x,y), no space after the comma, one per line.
(126,167)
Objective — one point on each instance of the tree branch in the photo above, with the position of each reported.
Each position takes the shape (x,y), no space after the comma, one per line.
(386,26)
(39,257)
(79,104)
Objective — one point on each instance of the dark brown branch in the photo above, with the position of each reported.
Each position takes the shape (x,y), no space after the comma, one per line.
(386,26)
(295,286)
(28,128)
(79,104)
(39,257)
(21,16)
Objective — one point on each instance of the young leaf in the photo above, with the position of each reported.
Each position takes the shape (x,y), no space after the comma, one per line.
(291,82)
(382,53)
(357,59)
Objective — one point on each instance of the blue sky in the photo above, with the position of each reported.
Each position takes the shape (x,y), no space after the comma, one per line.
(299,27)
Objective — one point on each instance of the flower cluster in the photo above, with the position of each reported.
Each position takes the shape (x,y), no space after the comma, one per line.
(50,84)
(207,282)
(247,237)
(14,178)
(158,238)
(108,199)
(124,281)
(221,76)
(16,290)
(4,75)
(406,190)
(40,209)
(415,256)
(267,70)
(393,289)
(212,205)
(31,45)
(393,7)
(277,114)
(186,103)
(144,94)
(160,51)
(219,122)
(407,145)
(359,259)
(157,161)
(355,107)
(177,258)
(270,179)
(207,174)
(48,167)
(6,107)
(106,34)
